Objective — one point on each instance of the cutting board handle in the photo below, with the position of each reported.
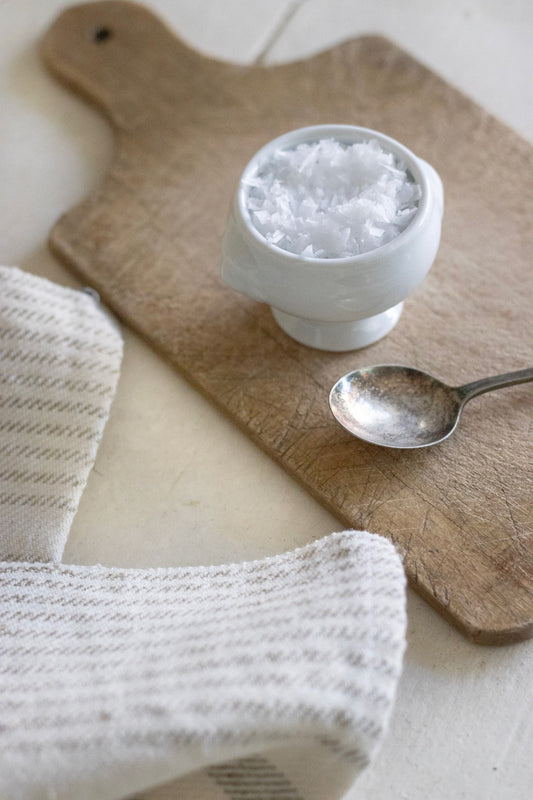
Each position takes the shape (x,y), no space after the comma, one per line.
(113,53)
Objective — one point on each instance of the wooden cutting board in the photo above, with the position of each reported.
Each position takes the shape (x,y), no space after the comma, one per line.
(148,240)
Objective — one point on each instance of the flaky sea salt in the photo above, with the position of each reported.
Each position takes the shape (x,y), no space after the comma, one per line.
(327,199)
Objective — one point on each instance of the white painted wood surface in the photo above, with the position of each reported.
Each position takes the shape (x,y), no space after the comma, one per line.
(174,482)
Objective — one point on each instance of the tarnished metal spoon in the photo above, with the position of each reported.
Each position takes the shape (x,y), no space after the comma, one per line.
(395,406)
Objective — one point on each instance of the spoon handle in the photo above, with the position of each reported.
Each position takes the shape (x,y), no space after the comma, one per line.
(470,390)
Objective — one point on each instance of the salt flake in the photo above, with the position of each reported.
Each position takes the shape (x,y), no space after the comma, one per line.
(327,199)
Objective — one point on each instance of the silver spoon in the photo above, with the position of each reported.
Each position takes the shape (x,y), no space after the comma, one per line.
(396,406)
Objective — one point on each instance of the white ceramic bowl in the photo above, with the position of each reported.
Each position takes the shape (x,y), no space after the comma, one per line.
(334,303)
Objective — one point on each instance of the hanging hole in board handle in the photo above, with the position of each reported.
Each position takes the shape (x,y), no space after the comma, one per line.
(102,34)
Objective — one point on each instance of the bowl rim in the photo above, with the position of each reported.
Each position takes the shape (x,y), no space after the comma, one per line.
(347,134)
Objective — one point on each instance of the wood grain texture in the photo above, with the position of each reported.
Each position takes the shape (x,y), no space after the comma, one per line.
(149,238)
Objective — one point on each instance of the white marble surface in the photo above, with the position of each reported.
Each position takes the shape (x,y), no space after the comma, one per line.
(174,482)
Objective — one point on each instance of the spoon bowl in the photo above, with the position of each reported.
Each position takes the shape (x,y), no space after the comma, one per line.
(402,407)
